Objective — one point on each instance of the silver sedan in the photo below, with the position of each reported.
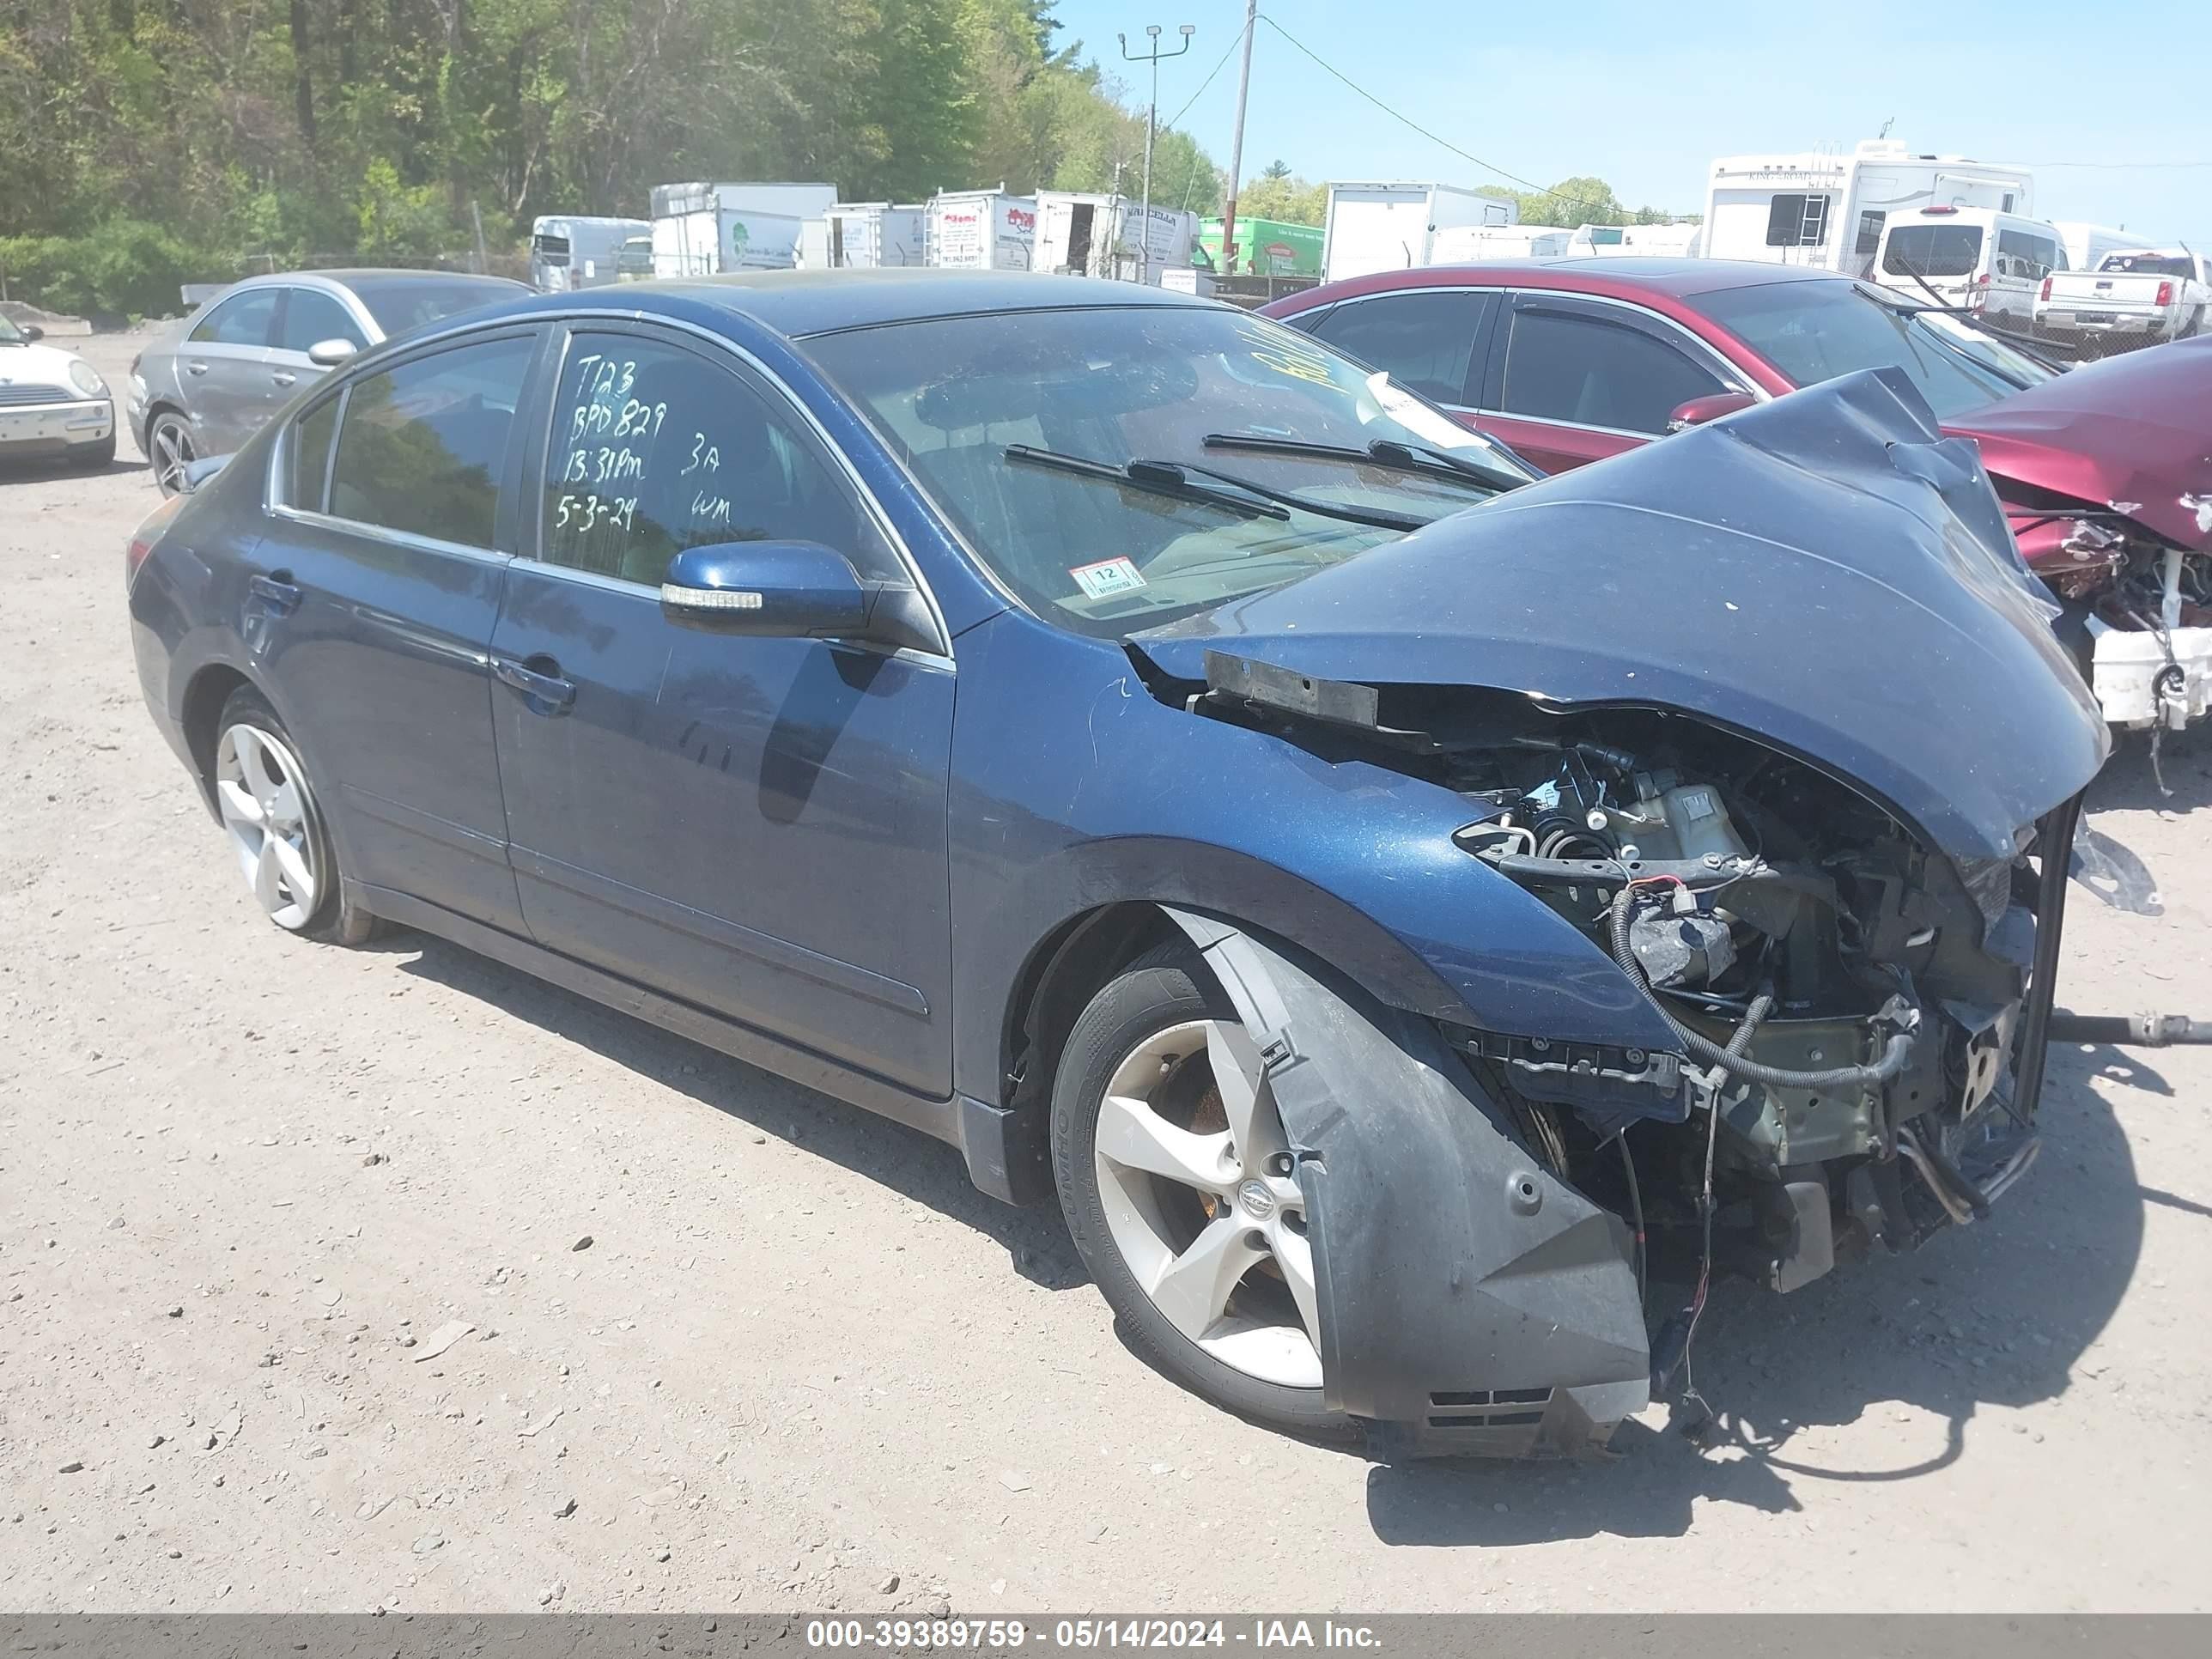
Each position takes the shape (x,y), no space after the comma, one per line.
(206,385)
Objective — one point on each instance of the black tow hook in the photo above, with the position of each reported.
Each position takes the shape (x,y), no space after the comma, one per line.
(2128,1031)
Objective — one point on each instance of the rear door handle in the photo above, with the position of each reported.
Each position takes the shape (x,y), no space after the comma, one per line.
(195,368)
(277,594)
(542,688)
(284,377)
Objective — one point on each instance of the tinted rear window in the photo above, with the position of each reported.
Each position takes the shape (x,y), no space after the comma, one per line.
(1933,250)
(400,303)
(2150,264)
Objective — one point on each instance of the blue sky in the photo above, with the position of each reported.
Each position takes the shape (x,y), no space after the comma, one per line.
(1644,97)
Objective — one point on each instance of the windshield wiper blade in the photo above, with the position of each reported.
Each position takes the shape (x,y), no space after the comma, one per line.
(1384,452)
(1381,517)
(1153,477)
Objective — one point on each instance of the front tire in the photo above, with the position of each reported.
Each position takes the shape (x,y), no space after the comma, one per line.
(95,457)
(275,827)
(1174,1175)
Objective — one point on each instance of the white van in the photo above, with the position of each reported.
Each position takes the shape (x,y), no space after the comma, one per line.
(1978,259)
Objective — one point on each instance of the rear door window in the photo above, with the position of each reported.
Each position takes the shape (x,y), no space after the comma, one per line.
(1425,340)
(1589,370)
(654,449)
(1933,250)
(243,319)
(423,446)
(310,455)
(311,317)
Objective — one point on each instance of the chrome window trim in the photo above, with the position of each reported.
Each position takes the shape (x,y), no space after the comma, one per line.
(534,510)
(390,538)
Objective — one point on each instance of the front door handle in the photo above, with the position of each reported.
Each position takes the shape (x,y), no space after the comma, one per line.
(284,377)
(548,692)
(275,592)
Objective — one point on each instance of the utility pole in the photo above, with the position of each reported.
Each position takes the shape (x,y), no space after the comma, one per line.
(1237,141)
(1151,125)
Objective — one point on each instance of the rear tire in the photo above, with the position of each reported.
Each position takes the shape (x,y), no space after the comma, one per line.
(275,827)
(1221,1239)
(170,449)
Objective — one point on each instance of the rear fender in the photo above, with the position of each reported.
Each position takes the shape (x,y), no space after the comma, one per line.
(1470,1303)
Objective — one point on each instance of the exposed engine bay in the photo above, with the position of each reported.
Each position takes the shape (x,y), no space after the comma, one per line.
(1858,1015)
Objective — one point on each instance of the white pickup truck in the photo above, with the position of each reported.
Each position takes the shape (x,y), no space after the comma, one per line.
(2135,296)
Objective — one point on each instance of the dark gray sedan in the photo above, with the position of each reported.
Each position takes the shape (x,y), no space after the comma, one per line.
(208,384)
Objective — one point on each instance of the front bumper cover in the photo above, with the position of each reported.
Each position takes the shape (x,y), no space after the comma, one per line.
(1470,1304)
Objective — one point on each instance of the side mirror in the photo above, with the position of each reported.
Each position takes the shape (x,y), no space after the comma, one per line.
(1710,407)
(329,354)
(32,332)
(786,590)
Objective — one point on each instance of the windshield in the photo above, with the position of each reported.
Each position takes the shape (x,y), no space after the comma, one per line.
(400,303)
(951,396)
(2150,264)
(1933,250)
(1814,332)
(9,334)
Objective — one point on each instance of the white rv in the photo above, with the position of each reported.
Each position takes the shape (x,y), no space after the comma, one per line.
(1393,227)
(703,229)
(567,251)
(1828,210)
(863,235)
(982,230)
(1468,245)
(1092,233)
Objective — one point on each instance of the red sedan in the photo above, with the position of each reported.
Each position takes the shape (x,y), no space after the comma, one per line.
(2104,469)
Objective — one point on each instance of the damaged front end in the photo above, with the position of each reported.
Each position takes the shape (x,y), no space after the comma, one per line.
(1773,715)
(2107,476)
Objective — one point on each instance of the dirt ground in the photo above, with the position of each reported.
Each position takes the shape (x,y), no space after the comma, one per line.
(250,1187)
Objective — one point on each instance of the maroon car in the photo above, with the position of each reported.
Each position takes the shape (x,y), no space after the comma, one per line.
(2106,471)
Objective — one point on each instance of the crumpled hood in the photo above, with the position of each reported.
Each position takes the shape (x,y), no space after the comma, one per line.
(1827,572)
(2133,428)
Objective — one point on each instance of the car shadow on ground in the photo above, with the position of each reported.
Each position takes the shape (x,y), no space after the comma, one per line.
(45,471)
(1937,1347)
(911,1163)
(2130,781)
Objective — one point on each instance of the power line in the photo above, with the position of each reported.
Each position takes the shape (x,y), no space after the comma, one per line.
(2118,166)
(1206,82)
(1435,138)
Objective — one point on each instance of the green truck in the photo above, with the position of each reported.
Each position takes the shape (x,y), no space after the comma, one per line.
(1266,247)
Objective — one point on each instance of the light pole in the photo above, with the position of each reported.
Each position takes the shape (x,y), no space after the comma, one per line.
(1151,124)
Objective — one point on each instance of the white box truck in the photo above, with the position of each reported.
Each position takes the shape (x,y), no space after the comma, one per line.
(1393,226)
(705,229)
(1097,234)
(982,230)
(864,235)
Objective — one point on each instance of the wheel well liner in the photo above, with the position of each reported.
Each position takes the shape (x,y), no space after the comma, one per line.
(209,689)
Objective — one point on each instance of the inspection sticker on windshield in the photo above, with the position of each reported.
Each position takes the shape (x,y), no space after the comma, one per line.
(1107,578)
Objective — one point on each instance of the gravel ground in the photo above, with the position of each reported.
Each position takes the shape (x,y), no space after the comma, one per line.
(251,1189)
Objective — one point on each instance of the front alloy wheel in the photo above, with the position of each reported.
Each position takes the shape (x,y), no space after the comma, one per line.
(1179,1186)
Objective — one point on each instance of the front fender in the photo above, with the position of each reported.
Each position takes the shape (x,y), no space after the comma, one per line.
(1469,1301)
(1101,795)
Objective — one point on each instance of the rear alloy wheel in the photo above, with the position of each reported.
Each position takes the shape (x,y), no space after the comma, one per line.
(170,449)
(274,827)
(1177,1182)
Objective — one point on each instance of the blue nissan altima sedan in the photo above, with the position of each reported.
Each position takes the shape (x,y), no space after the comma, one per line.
(1422,922)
